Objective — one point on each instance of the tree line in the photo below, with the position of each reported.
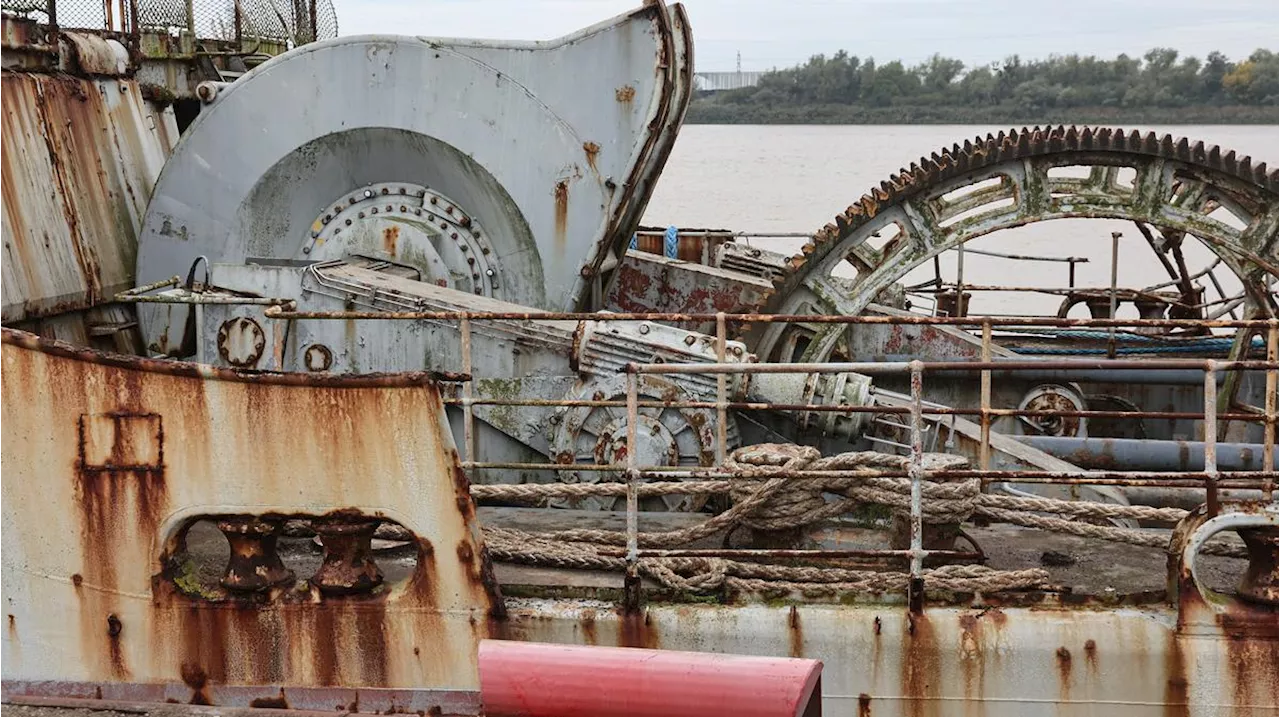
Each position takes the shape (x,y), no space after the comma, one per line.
(1159,84)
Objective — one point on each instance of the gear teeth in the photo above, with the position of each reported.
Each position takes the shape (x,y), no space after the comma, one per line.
(995,148)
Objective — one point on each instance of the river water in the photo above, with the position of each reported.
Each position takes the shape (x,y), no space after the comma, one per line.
(786,178)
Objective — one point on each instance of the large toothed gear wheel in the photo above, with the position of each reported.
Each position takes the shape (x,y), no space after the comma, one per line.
(665,436)
(1175,186)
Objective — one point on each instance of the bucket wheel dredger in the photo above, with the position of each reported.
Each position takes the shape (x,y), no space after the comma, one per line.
(388,174)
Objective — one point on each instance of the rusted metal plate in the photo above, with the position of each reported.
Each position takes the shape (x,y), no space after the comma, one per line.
(651,283)
(80,157)
(109,459)
(881,661)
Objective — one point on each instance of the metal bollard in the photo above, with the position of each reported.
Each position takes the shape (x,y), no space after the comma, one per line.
(255,563)
(348,557)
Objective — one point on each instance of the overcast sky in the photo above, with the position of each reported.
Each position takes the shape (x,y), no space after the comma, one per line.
(781,33)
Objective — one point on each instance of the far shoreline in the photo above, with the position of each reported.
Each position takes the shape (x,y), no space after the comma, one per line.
(702,112)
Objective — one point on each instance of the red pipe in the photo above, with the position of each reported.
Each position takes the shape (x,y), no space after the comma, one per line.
(528,679)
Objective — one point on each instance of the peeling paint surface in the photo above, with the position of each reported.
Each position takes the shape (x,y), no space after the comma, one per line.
(127,454)
(80,159)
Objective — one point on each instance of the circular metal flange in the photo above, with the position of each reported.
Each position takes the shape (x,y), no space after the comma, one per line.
(241,342)
(665,436)
(1055,397)
(409,225)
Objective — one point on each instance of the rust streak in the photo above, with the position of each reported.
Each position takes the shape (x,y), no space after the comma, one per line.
(562,213)
(921,668)
(1175,688)
(625,94)
(795,633)
(592,149)
(1065,678)
(635,630)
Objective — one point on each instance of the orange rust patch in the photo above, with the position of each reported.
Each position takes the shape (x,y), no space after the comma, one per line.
(1091,656)
(195,677)
(625,94)
(592,149)
(864,705)
(390,239)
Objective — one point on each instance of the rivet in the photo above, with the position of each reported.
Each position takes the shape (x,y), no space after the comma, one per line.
(476,234)
(644,328)
(306,249)
(737,350)
(337,232)
(433,200)
(464,248)
(431,217)
(475,276)
(690,340)
(484,250)
(327,217)
(315,234)
(448,210)
(384,190)
(402,190)
(368,193)
(444,225)
(403,209)
(488,272)
(453,235)
(422,192)
(477,292)
(471,260)
(388,207)
(373,211)
(348,222)
(361,215)
(417,212)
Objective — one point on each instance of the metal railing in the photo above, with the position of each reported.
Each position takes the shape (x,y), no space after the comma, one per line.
(1210,478)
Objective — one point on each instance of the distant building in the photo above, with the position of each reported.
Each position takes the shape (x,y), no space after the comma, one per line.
(720,81)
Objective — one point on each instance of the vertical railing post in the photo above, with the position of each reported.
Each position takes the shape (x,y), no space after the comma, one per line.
(984,450)
(631,583)
(468,414)
(915,471)
(959,308)
(1211,436)
(722,381)
(51,9)
(1269,408)
(1115,263)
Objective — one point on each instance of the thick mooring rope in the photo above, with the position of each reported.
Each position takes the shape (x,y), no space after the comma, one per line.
(764,499)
